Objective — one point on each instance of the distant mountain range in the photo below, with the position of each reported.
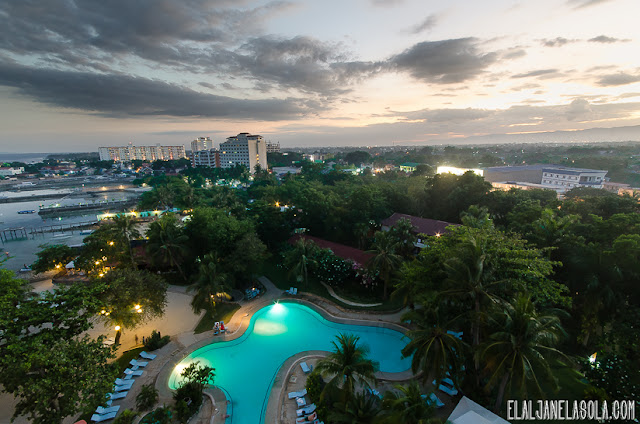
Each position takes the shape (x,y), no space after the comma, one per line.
(592,135)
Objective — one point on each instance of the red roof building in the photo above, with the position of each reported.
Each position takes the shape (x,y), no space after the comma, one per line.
(430,227)
(340,250)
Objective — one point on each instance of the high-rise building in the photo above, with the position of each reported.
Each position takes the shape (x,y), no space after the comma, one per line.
(201,143)
(244,149)
(273,147)
(209,158)
(147,153)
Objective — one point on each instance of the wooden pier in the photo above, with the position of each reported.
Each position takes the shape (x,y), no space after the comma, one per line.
(22,233)
(18,233)
(87,206)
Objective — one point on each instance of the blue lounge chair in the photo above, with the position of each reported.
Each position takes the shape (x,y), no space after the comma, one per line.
(98,418)
(306,368)
(448,390)
(123,387)
(148,356)
(433,399)
(137,364)
(293,395)
(131,373)
(119,395)
(101,411)
(306,410)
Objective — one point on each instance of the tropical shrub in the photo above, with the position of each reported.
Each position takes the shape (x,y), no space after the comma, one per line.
(156,341)
(126,417)
(147,397)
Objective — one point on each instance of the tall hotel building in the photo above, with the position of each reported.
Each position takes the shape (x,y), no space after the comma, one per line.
(201,143)
(244,149)
(147,153)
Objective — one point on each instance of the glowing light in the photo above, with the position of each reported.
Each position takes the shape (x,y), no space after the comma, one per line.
(117,328)
(458,171)
(592,358)
(97,262)
(111,243)
(103,312)
(438,234)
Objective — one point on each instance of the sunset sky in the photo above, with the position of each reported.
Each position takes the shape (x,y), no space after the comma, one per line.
(75,75)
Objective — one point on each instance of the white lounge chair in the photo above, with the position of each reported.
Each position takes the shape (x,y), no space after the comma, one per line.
(101,411)
(138,364)
(306,368)
(306,410)
(293,395)
(98,418)
(119,395)
(131,373)
(149,356)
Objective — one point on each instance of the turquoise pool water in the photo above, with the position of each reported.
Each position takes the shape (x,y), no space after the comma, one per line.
(246,367)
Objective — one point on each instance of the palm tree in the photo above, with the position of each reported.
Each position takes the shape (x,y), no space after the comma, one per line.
(384,260)
(517,355)
(167,243)
(434,351)
(301,258)
(347,366)
(467,279)
(210,285)
(406,406)
(125,229)
(360,409)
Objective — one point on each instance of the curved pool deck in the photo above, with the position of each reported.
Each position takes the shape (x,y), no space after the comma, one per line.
(247,365)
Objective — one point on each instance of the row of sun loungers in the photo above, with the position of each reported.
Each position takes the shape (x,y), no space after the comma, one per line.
(292,291)
(251,293)
(433,399)
(121,388)
(305,413)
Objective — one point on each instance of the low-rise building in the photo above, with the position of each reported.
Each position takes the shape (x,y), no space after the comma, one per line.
(409,166)
(429,227)
(273,147)
(555,177)
(10,171)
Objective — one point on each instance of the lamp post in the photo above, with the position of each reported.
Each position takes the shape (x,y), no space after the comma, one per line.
(118,334)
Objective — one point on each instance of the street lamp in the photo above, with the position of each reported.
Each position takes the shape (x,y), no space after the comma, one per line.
(118,334)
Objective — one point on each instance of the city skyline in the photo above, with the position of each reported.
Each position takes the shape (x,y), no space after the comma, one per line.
(75,76)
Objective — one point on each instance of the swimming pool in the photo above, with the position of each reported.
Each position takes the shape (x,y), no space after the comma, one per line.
(245,367)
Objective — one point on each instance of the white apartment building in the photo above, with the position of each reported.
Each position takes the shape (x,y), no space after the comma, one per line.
(209,158)
(201,143)
(146,153)
(564,179)
(9,171)
(273,147)
(244,149)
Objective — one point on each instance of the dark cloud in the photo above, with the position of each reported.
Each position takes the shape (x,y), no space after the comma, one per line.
(444,62)
(578,4)
(123,95)
(607,40)
(620,78)
(536,73)
(557,42)
(207,85)
(514,54)
(428,23)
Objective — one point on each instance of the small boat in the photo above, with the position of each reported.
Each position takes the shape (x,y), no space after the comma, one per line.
(26,211)
(61,236)
(86,232)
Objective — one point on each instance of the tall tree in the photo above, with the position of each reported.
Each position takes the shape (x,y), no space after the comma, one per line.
(125,229)
(517,354)
(434,351)
(44,359)
(210,285)
(167,242)
(348,365)
(406,405)
(360,409)
(301,258)
(385,260)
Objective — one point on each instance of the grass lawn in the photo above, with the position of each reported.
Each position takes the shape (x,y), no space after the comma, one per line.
(222,312)
(281,279)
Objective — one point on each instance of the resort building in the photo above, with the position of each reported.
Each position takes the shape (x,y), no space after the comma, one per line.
(284,170)
(555,177)
(201,143)
(209,158)
(244,149)
(146,153)
(409,166)
(340,250)
(429,227)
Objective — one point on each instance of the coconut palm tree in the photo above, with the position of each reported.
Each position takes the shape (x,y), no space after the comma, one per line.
(167,243)
(434,351)
(406,405)
(301,258)
(360,409)
(125,229)
(517,354)
(210,285)
(385,260)
(347,366)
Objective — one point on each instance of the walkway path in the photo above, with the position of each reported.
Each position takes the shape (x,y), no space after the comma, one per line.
(348,302)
